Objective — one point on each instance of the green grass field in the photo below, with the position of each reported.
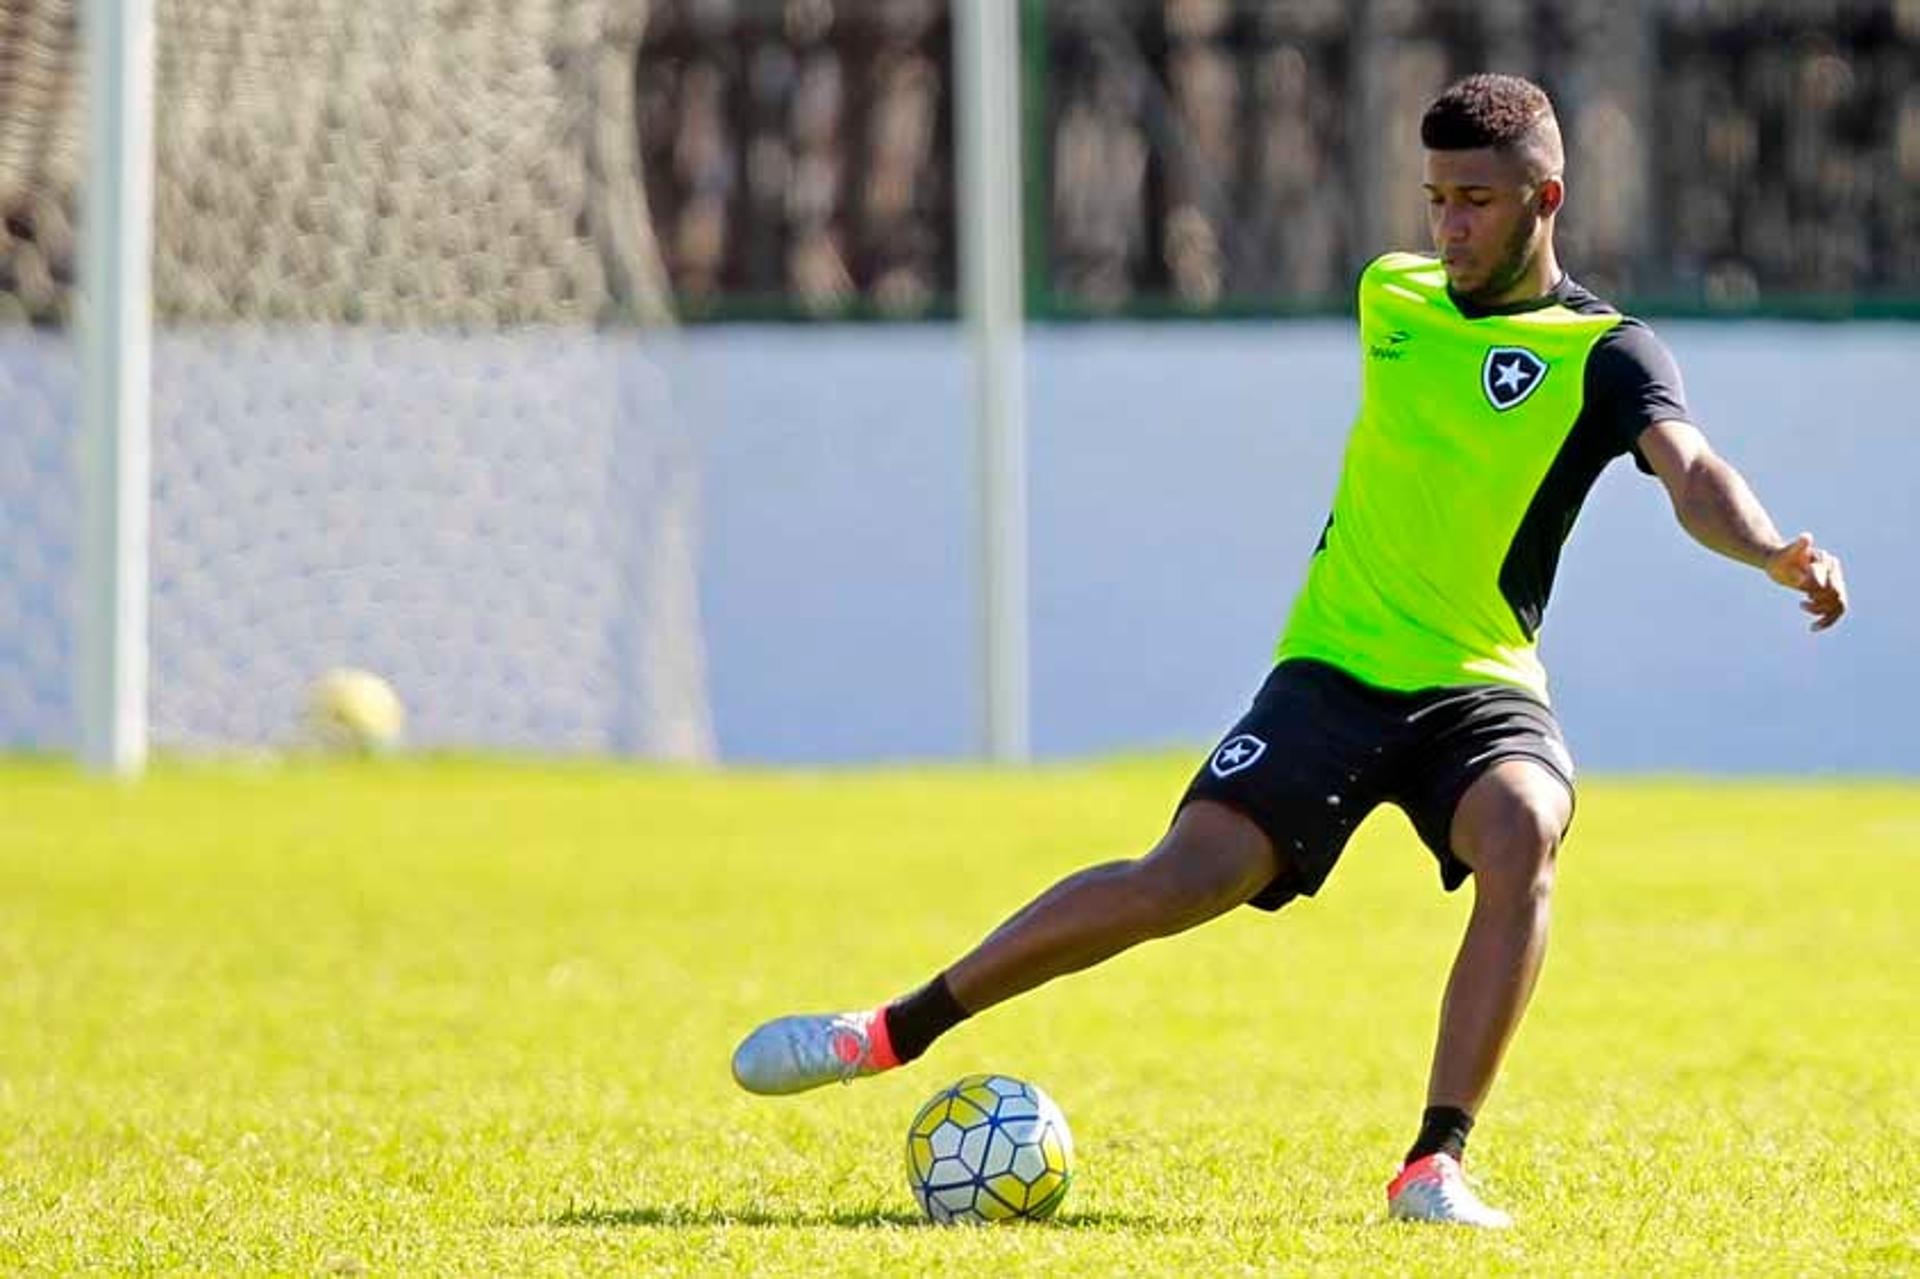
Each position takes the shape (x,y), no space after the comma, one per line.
(474,1018)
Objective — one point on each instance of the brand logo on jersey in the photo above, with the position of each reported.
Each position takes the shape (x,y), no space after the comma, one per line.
(1237,753)
(1510,375)
(1391,346)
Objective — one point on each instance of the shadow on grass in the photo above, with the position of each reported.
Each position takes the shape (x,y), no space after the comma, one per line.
(708,1218)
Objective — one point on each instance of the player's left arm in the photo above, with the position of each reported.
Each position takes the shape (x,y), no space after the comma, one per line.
(1718,509)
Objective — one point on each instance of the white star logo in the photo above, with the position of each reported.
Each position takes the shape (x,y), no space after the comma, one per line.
(1236,753)
(1510,374)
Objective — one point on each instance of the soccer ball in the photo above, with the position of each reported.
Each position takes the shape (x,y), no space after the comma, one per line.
(989,1148)
(355,712)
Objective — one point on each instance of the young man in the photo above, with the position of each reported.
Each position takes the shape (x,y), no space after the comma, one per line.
(1495,391)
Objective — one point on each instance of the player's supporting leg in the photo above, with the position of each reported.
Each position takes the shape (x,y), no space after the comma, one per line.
(1211,860)
(1507,828)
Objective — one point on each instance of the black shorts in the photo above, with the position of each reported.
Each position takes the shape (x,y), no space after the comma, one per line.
(1319,750)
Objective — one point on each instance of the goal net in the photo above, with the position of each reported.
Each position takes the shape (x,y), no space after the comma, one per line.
(413,387)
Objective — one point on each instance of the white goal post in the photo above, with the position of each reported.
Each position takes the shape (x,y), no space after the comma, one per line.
(116,330)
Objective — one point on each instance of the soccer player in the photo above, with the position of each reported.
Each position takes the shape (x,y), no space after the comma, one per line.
(1495,391)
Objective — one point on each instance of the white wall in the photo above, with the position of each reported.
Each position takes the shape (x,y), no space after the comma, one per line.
(1180,477)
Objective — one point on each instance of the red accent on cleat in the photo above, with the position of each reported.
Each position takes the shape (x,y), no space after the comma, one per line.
(1409,1172)
(880,1042)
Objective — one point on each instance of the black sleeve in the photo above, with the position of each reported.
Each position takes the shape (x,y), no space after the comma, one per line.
(1633,382)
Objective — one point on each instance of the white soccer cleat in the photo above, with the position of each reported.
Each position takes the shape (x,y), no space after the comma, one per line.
(793,1054)
(1435,1189)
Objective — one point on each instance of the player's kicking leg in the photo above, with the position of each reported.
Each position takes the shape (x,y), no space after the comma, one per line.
(1211,860)
(1507,828)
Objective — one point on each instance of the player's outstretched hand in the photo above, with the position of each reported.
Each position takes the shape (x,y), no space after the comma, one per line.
(1802,566)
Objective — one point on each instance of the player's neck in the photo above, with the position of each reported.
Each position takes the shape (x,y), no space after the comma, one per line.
(1535,282)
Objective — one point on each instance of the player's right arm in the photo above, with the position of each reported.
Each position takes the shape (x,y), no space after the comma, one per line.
(1718,509)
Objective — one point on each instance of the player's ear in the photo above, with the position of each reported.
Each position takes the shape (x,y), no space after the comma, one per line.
(1551,195)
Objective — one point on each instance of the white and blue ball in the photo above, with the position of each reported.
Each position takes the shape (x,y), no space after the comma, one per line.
(989,1148)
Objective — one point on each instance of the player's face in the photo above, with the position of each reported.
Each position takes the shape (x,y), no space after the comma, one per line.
(1484,213)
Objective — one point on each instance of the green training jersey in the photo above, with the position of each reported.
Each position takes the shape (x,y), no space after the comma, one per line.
(1479,434)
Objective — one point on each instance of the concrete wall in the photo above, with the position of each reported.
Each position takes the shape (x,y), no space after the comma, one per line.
(1180,475)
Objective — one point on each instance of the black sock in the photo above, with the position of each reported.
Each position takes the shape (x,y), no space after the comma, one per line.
(915,1021)
(1442,1128)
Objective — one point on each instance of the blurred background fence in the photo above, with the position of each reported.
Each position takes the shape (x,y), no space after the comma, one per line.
(1198,156)
(423,401)
(1248,156)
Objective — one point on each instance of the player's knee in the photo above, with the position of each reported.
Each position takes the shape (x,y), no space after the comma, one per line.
(1516,852)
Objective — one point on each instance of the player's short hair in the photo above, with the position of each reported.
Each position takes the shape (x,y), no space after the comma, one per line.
(1489,110)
